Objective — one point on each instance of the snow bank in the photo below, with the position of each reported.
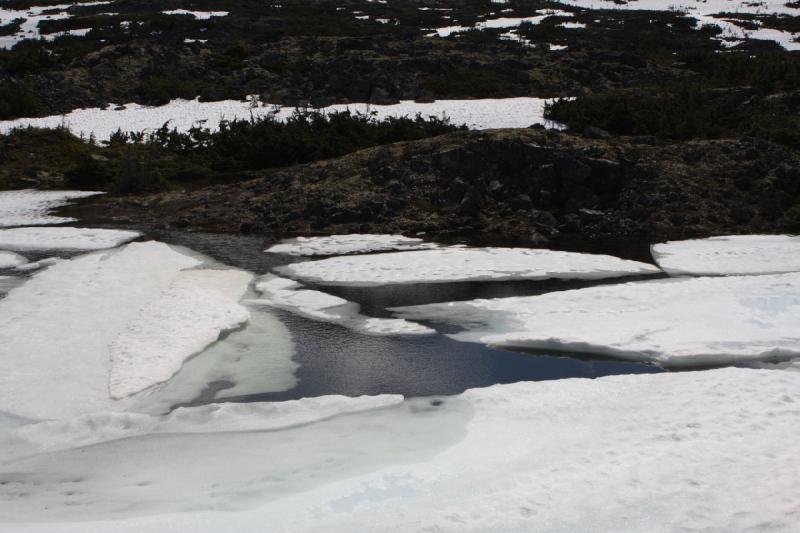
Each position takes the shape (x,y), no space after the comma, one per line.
(183,114)
(10,259)
(31,207)
(59,344)
(730,255)
(62,238)
(317,305)
(463,264)
(348,244)
(699,451)
(673,322)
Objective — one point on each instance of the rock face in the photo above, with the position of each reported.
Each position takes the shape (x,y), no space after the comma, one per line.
(523,185)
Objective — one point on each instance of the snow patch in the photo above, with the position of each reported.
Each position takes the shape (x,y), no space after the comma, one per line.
(673,322)
(463,264)
(184,114)
(729,255)
(709,13)
(30,207)
(199,15)
(61,238)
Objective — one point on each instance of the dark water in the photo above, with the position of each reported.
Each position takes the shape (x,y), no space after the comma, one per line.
(336,360)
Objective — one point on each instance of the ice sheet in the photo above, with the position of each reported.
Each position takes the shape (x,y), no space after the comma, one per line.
(289,295)
(348,244)
(255,359)
(463,264)
(188,316)
(691,451)
(673,322)
(729,255)
(56,330)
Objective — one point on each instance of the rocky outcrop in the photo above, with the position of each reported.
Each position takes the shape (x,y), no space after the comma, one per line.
(521,185)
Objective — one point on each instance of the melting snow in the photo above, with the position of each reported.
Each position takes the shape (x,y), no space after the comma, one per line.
(31,207)
(183,114)
(188,316)
(730,255)
(348,244)
(463,264)
(255,359)
(675,451)
(60,332)
(61,238)
(673,322)
(316,305)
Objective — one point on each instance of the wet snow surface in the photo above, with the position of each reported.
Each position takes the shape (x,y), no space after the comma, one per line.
(338,412)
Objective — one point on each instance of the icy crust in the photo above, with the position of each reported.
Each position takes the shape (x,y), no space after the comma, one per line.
(10,260)
(62,332)
(289,295)
(694,451)
(673,322)
(463,264)
(348,244)
(95,428)
(30,207)
(184,114)
(61,238)
(729,255)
